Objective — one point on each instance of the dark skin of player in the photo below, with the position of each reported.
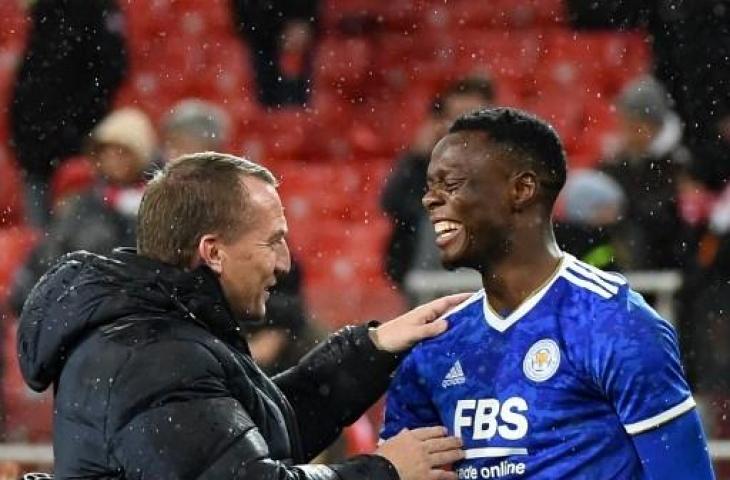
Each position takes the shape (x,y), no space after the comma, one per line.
(506,232)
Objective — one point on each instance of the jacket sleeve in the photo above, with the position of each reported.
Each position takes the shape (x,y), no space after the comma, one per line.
(334,384)
(183,423)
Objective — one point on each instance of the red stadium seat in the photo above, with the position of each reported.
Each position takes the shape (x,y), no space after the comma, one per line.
(508,56)
(201,18)
(10,57)
(361,437)
(143,91)
(228,69)
(74,175)
(14,24)
(319,192)
(28,414)
(145,20)
(336,303)
(335,11)
(596,135)
(344,64)
(590,63)
(563,112)
(15,245)
(11,191)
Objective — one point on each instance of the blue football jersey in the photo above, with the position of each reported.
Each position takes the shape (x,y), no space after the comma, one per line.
(555,389)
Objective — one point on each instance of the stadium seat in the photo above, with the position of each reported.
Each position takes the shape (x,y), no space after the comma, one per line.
(146,19)
(11,191)
(563,112)
(228,70)
(202,18)
(591,63)
(502,14)
(317,192)
(73,175)
(28,414)
(15,245)
(597,133)
(143,91)
(14,24)
(343,63)
(508,56)
(361,438)
(335,303)
(335,12)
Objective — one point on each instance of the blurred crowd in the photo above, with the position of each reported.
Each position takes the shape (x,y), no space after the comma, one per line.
(658,198)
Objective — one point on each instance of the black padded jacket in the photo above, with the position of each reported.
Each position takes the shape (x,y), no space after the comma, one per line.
(153,381)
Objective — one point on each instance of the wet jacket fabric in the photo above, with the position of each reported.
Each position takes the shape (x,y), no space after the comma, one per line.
(153,380)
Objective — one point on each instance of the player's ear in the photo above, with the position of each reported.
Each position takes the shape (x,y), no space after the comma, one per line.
(210,252)
(523,189)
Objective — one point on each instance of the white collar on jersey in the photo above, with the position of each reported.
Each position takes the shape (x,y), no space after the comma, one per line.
(501,324)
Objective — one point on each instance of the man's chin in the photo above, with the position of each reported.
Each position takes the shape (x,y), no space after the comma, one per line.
(454,262)
(451,261)
(254,317)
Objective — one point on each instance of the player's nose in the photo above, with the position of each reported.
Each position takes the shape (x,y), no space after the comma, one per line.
(431,199)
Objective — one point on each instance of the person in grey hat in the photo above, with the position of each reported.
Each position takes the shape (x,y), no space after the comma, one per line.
(195,125)
(592,209)
(650,163)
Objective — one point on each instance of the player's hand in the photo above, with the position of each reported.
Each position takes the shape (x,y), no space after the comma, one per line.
(422,322)
(418,454)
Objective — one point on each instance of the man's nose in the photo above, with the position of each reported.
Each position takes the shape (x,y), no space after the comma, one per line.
(283,259)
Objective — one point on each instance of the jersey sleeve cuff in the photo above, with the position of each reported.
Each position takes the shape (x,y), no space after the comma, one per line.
(662,418)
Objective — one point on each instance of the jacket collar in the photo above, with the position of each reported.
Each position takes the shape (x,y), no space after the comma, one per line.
(196,293)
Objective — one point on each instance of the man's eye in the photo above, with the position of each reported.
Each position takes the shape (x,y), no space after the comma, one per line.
(451,187)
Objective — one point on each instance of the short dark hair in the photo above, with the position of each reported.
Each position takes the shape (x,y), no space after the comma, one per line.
(529,137)
(192,196)
(473,85)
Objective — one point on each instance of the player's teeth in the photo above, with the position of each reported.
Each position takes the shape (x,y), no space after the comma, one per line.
(445,226)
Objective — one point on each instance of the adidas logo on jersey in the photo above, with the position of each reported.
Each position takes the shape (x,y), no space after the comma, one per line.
(455,376)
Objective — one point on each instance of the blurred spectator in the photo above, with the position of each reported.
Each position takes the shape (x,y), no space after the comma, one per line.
(281,34)
(412,244)
(651,164)
(593,206)
(691,42)
(704,305)
(74,62)
(194,126)
(103,217)
(713,154)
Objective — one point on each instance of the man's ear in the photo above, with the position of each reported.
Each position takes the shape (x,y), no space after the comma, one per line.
(524,189)
(210,253)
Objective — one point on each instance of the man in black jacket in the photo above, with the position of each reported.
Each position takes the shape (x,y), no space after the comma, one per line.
(153,379)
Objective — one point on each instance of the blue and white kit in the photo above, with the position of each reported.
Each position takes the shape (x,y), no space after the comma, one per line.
(556,389)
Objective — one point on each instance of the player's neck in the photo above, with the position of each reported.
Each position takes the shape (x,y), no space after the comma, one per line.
(518,275)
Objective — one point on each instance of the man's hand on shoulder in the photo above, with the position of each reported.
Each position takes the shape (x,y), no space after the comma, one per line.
(418,324)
